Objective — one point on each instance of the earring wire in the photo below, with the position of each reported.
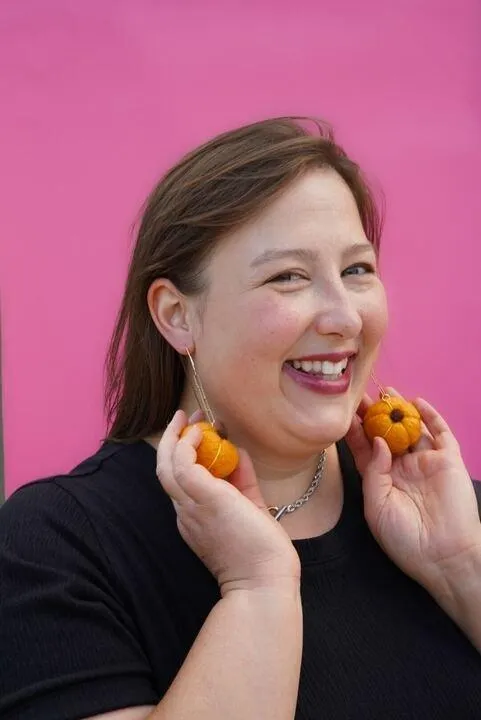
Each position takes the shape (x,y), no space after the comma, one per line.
(382,392)
(199,391)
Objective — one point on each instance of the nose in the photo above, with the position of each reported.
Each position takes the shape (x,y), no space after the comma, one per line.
(338,315)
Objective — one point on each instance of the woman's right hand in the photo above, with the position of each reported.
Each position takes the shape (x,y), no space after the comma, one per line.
(226,523)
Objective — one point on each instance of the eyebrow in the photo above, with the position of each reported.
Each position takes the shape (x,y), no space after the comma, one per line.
(270,255)
(305,254)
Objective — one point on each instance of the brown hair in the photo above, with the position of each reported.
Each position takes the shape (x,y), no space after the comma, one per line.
(212,190)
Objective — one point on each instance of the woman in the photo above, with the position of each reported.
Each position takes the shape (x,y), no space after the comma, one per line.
(127,598)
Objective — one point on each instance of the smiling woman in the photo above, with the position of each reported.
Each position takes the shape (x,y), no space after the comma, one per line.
(280,198)
(141,585)
(281,288)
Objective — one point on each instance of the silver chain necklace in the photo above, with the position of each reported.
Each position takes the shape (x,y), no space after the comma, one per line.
(277,511)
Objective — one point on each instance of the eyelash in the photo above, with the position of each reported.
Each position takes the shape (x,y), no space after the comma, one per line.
(289,273)
(283,277)
(370,269)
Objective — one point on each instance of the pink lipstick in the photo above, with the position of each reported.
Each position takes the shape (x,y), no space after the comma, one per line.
(312,372)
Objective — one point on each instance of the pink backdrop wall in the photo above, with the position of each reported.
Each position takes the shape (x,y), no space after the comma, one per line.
(100,96)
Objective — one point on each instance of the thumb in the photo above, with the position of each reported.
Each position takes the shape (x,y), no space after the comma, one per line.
(377,481)
(245,480)
(381,461)
(359,445)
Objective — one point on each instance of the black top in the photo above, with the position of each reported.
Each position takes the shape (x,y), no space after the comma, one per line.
(101,600)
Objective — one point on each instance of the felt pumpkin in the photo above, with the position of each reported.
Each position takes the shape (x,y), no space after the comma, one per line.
(394,419)
(215,453)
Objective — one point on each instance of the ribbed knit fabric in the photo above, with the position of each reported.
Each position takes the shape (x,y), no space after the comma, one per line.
(100,601)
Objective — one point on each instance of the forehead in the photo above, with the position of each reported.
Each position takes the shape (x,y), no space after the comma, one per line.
(317,209)
(320,192)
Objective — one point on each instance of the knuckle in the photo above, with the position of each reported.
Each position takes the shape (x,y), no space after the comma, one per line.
(168,485)
(182,449)
(164,474)
(192,437)
(182,473)
(160,469)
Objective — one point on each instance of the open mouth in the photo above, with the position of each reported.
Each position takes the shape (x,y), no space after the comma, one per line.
(325,369)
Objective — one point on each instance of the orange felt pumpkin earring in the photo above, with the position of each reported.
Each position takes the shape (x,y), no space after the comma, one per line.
(215,452)
(394,419)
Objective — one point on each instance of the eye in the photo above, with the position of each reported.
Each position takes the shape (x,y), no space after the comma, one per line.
(286,277)
(360,269)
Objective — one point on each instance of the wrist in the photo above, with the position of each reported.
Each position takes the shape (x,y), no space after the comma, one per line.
(286,586)
(456,584)
(282,577)
(269,606)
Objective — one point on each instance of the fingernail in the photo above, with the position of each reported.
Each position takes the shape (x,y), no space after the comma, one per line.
(196,416)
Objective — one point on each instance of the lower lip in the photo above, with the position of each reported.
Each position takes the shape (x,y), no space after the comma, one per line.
(318,384)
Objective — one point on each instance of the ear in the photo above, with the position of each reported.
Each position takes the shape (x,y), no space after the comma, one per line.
(171,314)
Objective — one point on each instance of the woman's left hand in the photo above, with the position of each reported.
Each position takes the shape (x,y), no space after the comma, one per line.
(421,507)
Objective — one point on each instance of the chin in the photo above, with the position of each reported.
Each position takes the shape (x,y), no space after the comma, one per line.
(330,433)
(328,429)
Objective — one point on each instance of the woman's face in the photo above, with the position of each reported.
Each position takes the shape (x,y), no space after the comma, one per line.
(292,320)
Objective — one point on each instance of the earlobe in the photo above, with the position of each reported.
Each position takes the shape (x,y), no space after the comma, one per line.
(169,311)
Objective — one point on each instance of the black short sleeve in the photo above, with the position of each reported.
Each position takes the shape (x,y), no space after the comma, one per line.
(68,648)
(477,490)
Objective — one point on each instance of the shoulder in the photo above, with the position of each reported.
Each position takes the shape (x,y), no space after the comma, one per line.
(42,525)
(37,510)
(100,500)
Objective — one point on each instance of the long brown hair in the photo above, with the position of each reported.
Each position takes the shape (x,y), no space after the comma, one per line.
(210,192)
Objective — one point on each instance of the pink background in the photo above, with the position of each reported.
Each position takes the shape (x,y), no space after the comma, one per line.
(100,96)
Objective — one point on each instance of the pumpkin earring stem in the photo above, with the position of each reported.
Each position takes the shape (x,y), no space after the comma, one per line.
(382,391)
(199,391)
(215,452)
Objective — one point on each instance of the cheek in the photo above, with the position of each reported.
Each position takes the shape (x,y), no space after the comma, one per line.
(241,347)
(276,326)
(264,328)
(374,312)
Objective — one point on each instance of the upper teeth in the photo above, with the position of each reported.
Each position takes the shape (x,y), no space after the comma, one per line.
(324,367)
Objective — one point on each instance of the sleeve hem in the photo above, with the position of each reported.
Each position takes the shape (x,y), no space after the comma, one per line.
(80,701)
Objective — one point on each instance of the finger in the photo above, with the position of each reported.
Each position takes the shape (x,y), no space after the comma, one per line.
(170,436)
(365,403)
(196,416)
(443,438)
(381,462)
(182,509)
(358,444)
(425,441)
(172,488)
(245,480)
(165,450)
(184,452)
(390,390)
(376,480)
(193,479)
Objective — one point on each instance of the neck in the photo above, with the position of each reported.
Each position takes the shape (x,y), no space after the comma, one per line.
(283,481)
(284,478)
(284,484)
